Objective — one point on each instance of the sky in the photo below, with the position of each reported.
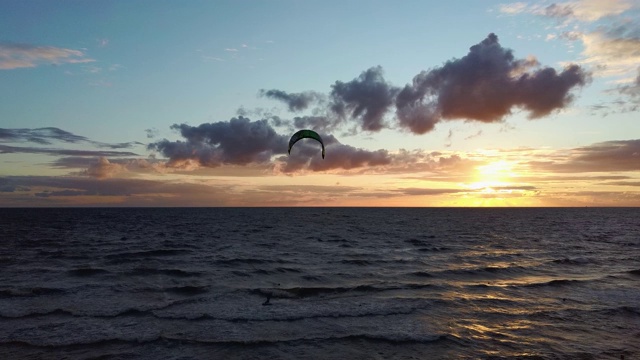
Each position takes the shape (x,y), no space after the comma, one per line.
(419,103)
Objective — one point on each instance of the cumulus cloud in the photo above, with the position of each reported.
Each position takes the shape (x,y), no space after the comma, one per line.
(294,101)
(366,98)
(485,85)
(239,141)
(103,169)
(342,157)
(15,56)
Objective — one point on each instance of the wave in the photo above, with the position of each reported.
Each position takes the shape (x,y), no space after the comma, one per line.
(124,257)
(35,291)
(170,272)
(574,261)
(71,313)
(166,340)
(250,261)
(634,272)
(421,274)
(486,270)
(305,292)
(554,283)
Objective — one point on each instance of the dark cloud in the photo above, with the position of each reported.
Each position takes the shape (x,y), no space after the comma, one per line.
(5,149)
(366,98)
(484,86)
(46,136)
(241,141)
(41,136)
(124,145)
(294,101)
(305,155)
(238,141)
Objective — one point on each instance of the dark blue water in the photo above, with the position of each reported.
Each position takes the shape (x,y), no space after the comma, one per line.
(341,283)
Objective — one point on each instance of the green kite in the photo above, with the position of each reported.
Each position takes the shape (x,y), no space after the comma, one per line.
(302,134)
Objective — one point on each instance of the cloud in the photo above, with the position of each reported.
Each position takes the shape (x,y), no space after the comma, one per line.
(484,86)
(339,157)
(587,10)
(15,56)
(617,155)
(60,191)
(103,169)
(242,142)
(5,149)
(318,123)
(513,8)
(426,191)
(46,136)
(581,10)
(366,98)
(632,90)
(41,136)
(294,101)
(613,51)
(239,141)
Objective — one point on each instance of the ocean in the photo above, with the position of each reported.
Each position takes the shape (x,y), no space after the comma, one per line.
(320,283)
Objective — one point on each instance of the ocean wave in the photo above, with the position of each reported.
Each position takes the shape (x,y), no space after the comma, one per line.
(634,272)
(34,291)
(171,272)
(250,261)
(554,283)
(167,340)
(304,292)
(75,313)
(486,270)
(573,261)
(421,274)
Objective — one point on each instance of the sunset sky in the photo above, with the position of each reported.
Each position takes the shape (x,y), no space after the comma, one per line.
(419,103)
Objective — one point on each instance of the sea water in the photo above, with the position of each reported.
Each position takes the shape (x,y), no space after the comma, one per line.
(320,283)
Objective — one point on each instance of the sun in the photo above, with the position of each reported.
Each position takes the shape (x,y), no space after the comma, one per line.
(492,175)
(493,185)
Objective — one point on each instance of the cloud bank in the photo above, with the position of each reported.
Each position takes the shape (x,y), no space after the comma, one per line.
(485,85)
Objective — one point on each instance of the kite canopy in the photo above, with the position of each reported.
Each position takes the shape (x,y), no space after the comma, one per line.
(302,134)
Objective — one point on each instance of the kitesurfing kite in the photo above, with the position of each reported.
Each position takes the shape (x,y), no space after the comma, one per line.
(302,134)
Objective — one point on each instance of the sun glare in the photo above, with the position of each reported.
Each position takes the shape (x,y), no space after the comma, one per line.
(493,186)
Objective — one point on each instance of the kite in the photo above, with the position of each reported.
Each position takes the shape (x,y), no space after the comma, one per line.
(308,134)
